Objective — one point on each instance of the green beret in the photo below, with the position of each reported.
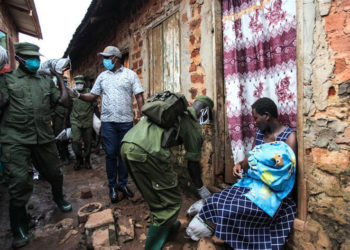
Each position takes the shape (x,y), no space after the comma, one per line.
(206,100)
(27,49)
(79,79)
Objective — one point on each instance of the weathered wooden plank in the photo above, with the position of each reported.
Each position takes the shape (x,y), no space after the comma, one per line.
(157,62)
(171,54)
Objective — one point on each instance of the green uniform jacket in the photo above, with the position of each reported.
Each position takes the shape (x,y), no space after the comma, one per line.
(148,136)
(82,112)
(27,116)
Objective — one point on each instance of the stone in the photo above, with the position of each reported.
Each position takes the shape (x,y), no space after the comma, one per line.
(138,225)
(332,161)
(86,210)
(205,244)
(68,235)
(324,7)
(99,219)
(100,238)
(126,229)
(187,246)
(143,237)
(323,240)
(345,137)
(184,222)
(85,193)
(65,224)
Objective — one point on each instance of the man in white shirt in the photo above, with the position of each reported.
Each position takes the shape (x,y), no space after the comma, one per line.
(117,86)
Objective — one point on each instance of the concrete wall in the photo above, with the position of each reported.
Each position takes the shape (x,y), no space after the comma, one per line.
(325,32)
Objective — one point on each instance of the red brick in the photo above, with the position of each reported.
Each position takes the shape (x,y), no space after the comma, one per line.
(140,43)
(195,53)
(193,92)
(184,18)
(139,71)
(192,39)
(340,65)
(192,67)
(140,63)
(134,65)
(138,54)
(195,78)
(331,91)
(204,91)
(195,23)
(193,1)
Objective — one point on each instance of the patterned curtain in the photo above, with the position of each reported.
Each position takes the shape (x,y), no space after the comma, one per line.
(259,61)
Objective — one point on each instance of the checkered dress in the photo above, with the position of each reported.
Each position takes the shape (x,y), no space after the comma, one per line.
(242,224)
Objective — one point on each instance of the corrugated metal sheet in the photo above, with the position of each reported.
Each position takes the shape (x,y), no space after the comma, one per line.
(25,16)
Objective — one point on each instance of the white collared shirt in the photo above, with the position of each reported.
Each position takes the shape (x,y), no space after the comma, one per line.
(117,89)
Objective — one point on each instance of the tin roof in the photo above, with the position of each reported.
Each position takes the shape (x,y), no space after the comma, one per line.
(24,16)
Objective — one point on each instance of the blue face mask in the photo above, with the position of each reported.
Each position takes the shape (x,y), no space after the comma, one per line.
(108,64)
(33,64)
(65,83)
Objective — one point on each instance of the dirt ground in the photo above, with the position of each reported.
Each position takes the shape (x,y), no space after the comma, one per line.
(44,212)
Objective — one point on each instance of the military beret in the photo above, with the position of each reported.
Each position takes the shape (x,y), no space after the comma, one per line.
(27,49)
(206,100)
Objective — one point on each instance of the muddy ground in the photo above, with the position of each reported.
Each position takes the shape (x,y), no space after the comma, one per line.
(44,212)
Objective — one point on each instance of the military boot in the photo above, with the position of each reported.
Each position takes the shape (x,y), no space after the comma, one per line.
(19,226)
(156,237)
(78,163)
(65,157)
(87,162)
(62,204)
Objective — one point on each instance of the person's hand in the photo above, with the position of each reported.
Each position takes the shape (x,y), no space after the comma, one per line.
(73,93)
(238,170)
(195,208)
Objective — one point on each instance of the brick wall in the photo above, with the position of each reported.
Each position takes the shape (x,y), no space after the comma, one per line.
(326,126)
(7,25)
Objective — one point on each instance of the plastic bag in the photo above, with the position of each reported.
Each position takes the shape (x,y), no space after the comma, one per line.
(195,208)
(96,124)
(198,229)
(3,57)
(64,135)
(59,65)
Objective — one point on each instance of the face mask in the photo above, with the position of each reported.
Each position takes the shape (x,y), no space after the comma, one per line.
(65,83)
(108,64)
(32,64)
(79,87)
(204,118)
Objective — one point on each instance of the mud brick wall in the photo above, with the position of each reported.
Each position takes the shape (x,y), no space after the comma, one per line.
(197,63)
(326,126)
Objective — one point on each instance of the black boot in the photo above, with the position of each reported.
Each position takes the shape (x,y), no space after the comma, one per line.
(78,163)
(113,194)
(19,226)
(87,162)
(62,204)
(65,157)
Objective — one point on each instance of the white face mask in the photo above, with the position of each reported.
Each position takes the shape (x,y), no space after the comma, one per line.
(204,118)
(79,86)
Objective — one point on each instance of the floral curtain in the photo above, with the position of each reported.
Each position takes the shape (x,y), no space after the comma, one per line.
(259,61)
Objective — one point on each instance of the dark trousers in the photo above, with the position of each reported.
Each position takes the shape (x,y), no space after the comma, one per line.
(112,134)
(18,159)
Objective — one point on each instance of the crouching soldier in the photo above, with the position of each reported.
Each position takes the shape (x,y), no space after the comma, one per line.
(145,150)
(81,122)
(26,135)
(61,121)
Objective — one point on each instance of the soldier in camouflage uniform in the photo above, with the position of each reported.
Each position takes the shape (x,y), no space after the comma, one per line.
(149,164)
(81,121)
(61,121)
(26,135)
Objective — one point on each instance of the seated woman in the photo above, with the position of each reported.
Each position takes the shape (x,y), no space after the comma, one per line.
(258,211)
